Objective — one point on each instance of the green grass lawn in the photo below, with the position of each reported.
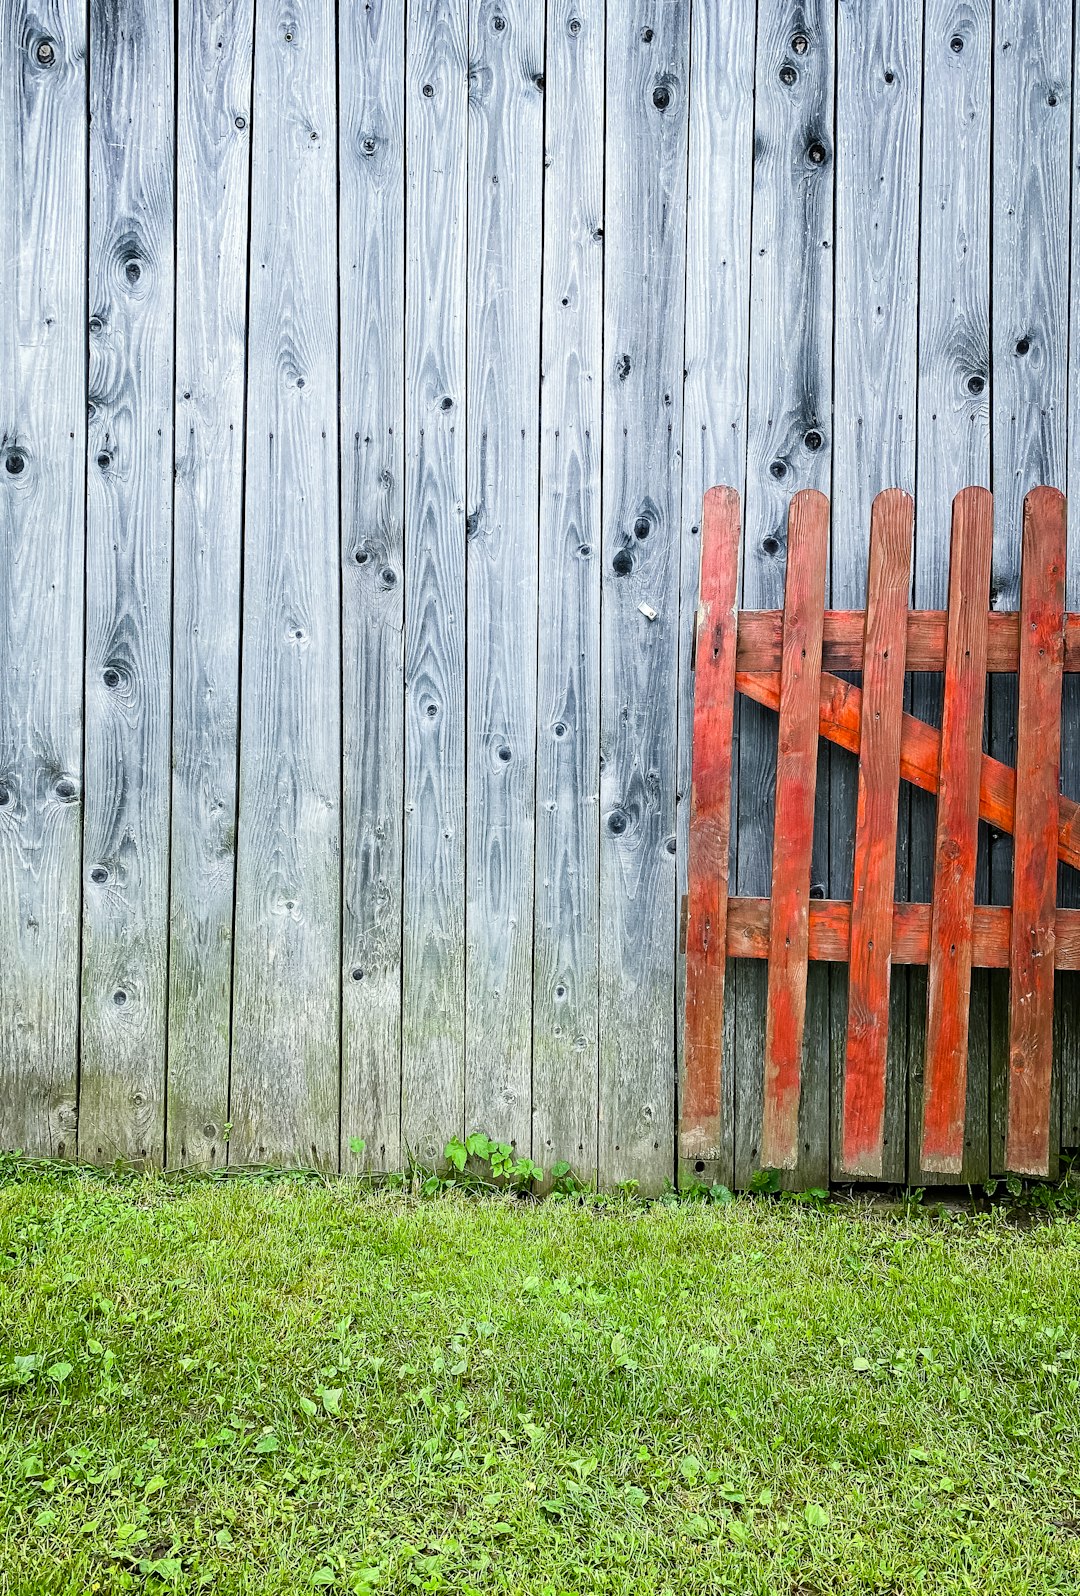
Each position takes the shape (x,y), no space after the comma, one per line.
(280,1387)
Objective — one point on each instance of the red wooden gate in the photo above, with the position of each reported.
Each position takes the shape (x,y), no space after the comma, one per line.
(785,660)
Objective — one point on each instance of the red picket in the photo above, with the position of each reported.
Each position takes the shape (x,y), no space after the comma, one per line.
(1038,743)
(710,825)
(949,985)
(796,779)
(888,585)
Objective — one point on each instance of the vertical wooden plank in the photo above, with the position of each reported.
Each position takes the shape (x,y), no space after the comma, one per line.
(433,894)
(645,205)
(567,906)
(953,447)
(949,977)
(505,209)
(371,237)
(1067,985)
(1031,155)
(789,448)
(1031,949)
(796,787)
(701,1132)
(870,958)
(42,472)
(717,327)
(878,104)
(128,581)
(285,1067)
(213,158)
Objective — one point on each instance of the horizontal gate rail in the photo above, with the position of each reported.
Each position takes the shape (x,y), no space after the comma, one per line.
(785,660)
(760,632)
(749,927)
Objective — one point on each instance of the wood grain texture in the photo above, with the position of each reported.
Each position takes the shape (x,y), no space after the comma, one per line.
(1038,742)
(128,582)
(749,927)
(949,980)
(213,157)
(878,104)
(433,893)
(645,199)
(1032,119)
(567,900)
(840,713)
(371,239)
(701,1119)
(716,346)
(789,400)
(870,976)
(953,448)
(505,209)
(1067,988)
(285,1067)
(43,239)
(796,788)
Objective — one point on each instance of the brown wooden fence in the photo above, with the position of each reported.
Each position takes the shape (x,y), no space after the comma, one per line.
(786,660)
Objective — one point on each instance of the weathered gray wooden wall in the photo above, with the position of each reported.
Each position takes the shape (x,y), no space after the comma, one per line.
(361,371)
